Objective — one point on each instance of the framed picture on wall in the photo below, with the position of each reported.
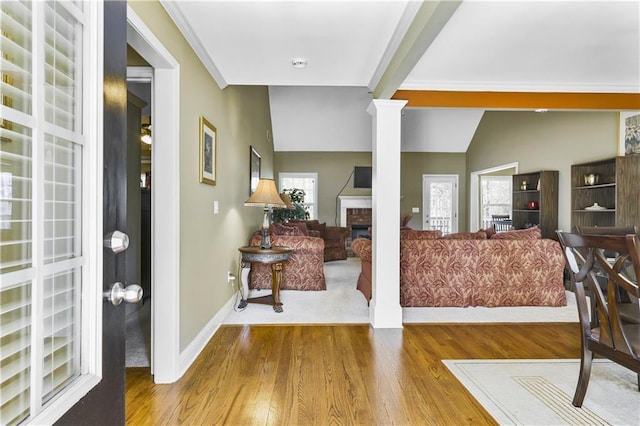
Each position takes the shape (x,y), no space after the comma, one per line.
(208,146)
(629,133)
(254,169)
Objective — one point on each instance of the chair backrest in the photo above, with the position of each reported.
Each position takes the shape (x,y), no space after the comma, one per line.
(501,222)
(586,257)
(630,311)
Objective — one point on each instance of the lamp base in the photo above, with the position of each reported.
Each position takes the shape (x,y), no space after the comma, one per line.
(266,240)
(266,223)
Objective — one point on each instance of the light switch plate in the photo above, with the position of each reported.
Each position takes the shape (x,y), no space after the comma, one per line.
(216,208)
(415,210)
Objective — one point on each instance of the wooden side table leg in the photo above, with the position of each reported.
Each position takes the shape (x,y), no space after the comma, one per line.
(276,276)
(244,280)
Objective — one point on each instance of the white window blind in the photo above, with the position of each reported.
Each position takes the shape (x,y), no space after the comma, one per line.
(495,197)
(308,182)
(41,157)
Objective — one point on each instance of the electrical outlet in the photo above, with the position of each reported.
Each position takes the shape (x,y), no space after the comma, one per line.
(415,210)
(230,277)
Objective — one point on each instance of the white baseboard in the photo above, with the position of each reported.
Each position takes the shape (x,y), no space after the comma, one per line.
(191,352)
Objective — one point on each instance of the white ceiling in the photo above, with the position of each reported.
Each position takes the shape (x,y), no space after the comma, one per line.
(546,46)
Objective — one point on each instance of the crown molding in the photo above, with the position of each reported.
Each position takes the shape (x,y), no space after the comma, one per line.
(191,36)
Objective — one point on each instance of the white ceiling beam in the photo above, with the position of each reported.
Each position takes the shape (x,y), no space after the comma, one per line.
(427,24)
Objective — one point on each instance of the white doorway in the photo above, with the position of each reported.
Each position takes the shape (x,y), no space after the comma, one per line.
(165,211)
(440,203)
(138,318)
(474,192)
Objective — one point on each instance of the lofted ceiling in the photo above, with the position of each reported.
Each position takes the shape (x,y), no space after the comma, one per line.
(359,48)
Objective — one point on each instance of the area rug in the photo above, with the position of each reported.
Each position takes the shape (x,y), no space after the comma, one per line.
(341,303)
(539,392)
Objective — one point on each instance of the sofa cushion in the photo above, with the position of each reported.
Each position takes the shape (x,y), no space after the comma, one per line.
(533,233)
(412,234)
(489,231)
(480,235)
(303,226)
(282,229)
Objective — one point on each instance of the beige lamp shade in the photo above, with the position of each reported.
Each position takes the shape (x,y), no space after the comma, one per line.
(266,195)
(287,201)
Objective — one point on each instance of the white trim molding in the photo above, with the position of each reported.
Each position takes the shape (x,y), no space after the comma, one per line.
(474,192)
(194,41)
(352,202)
(197,345)
(165,211)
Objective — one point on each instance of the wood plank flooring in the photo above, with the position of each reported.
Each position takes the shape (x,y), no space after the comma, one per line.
(338,374)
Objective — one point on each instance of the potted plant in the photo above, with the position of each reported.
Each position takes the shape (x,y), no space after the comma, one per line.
(298,212)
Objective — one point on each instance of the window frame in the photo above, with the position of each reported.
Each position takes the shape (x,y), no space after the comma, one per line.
(485,222)
(88,262)
(303,175)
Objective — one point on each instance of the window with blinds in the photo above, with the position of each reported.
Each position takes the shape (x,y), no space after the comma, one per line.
(495,197)
(305,181)
(41,157)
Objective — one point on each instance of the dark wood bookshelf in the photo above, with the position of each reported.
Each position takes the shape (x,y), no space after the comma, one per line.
(628,191)
(540,187)
(616,190)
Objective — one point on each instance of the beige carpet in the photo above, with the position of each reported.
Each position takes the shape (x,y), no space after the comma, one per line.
(539,392)
(341,303)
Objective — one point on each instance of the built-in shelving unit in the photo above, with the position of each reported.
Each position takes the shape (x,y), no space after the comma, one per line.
(584,196)
(535,201)
(615,191)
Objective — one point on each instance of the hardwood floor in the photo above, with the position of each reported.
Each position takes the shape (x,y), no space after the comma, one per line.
(341,374)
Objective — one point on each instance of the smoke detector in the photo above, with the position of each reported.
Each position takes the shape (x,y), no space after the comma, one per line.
(299,62)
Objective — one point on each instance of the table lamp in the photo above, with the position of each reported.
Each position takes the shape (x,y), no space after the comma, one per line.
(265,196)
(287,201)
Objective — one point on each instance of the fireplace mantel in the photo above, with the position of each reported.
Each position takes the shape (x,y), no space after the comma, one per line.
(352,202)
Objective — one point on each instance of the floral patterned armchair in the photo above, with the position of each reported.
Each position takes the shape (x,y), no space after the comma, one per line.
(303,271)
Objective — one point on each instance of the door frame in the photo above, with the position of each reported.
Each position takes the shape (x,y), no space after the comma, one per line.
(474,191)
(455,202)
(165,208)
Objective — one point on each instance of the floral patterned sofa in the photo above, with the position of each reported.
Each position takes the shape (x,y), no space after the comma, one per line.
(513,268)
(303,271)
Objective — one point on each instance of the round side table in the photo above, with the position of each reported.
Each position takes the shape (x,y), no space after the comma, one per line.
(276,256)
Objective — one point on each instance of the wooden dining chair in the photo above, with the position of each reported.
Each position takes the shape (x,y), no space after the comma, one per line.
(628,305)
(611,337)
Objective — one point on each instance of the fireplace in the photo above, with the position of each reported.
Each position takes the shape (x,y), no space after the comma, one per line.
(355,212)
(360,231)
(358,222)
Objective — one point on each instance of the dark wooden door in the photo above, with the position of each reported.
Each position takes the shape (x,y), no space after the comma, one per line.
(104,405)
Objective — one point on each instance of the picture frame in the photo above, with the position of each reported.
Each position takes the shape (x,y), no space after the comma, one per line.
(254,169)
(629,133)
(208,150)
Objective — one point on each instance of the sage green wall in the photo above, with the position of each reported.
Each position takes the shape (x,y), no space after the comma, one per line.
(334,169)
(549,141)
(416,164)
(208,242)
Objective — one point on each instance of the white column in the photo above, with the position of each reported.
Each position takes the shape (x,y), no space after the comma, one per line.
(384,309)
